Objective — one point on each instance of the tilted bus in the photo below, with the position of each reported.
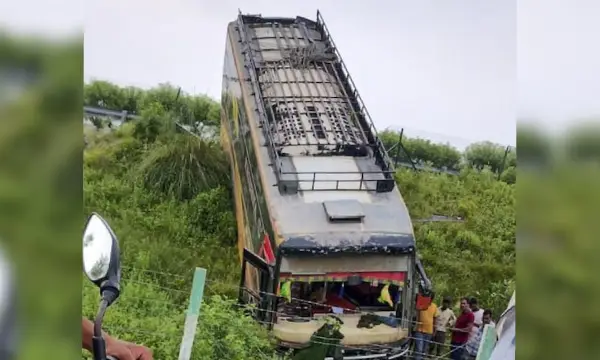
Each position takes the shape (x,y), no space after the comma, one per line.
(313,182)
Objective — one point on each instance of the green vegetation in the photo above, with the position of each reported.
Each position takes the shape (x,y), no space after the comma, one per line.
(558,261)
(167,198)
(167,195)
(445,157)
(477,257)
(134,100)
(40,188)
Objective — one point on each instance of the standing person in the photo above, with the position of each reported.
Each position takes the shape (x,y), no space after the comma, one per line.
(474,342)
(461,330)
(445,320)
(424,332)
(478,314)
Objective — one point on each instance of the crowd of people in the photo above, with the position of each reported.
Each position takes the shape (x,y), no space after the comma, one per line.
(435,324)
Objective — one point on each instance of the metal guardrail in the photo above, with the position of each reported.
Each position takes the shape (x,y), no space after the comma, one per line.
(123,115)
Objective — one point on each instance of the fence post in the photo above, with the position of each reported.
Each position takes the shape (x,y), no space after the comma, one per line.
(488,342)
(398,145)
(191,317)
(501,170)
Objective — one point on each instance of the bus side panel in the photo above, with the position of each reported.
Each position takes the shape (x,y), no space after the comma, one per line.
(252,214)
(229,131)
(252,170)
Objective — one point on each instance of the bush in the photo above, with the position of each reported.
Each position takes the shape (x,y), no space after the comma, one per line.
(151,316)
(169,225)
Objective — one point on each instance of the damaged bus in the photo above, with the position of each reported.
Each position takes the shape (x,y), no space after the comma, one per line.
(322,227)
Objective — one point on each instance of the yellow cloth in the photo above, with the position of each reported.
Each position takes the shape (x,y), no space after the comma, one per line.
(384,296)
(426,319)
(286,290)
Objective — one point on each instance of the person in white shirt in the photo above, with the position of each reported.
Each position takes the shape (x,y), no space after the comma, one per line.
(444,320)
(474,342)
(478,313)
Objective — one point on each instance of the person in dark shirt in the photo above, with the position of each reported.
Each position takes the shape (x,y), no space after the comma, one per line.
(461,330)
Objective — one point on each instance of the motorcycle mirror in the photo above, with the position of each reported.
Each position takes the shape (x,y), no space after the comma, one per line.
(101,255)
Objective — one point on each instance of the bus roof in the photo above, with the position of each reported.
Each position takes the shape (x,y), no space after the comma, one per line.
(328,182)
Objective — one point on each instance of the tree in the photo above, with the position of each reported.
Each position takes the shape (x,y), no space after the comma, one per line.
(445,157)
(185,108)
(486,153)
(106,95)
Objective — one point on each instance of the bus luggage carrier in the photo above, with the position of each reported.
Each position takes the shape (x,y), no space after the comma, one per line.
(294,121)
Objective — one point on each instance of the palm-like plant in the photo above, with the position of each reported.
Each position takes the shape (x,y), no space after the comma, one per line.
(184,167)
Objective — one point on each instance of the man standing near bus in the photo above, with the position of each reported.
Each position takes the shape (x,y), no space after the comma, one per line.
(445,320)
(475,341)
(424,333)
(461,330)
(477,314)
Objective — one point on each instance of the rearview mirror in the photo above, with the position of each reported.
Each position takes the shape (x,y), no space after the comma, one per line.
(101,255)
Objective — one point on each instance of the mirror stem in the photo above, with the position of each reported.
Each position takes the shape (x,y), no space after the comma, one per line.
(98,343)
(109,294)
(99,318)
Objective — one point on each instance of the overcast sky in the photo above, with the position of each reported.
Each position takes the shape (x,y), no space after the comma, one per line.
(448,72)
(558,60)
